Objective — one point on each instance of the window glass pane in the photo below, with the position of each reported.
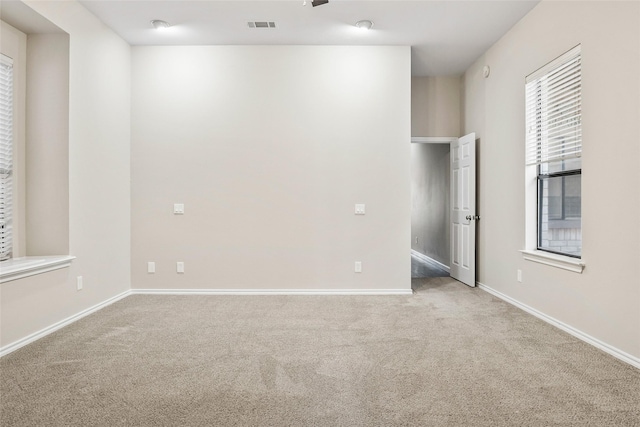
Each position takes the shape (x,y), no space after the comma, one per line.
(571,198)
(560,215)
(553,196)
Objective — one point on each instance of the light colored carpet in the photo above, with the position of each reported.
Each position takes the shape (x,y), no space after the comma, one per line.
(446,356)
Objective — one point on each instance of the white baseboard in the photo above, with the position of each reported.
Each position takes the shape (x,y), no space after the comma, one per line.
(429,259)
(271,291)
(615,352)
(61,324)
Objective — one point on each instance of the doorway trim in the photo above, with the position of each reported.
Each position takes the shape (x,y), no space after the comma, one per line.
(433,139)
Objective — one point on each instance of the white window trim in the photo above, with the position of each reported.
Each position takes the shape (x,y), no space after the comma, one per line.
(560,261)
(19,268)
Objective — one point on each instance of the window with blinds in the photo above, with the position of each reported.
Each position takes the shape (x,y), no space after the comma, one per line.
(6,156)
(554,147)
(553,103)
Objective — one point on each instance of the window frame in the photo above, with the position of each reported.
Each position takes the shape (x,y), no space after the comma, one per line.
(539,183)
(543,88)
(7,149)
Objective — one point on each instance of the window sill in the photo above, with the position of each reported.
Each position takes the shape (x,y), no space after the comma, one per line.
(18,268)
(567,263)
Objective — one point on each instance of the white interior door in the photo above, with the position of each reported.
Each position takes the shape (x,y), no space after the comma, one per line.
(463,209)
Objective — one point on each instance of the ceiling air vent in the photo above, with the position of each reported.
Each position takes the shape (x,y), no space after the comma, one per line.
(261,24)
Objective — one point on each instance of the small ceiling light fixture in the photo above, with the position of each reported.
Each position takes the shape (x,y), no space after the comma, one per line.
(365,24)
(159,24)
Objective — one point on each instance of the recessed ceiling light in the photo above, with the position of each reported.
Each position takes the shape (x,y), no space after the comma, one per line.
(159,24)
(365,24)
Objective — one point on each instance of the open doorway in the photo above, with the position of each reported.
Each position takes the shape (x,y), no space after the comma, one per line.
(443,217)
(430,211)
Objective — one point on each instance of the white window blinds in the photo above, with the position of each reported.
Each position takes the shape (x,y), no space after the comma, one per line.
(554,109)
(6,155)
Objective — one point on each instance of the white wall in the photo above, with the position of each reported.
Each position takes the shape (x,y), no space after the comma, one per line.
(435,106)
(47,147)
(269,148)
(604,301)
(99,173)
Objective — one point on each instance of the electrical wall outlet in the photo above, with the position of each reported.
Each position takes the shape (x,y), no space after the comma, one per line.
(520,276)
(359,209)
(358,267)
(416,240)
(151,267)
(178,208)
(180,267)
(79,283)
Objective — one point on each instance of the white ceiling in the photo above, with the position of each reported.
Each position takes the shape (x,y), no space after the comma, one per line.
(445,36)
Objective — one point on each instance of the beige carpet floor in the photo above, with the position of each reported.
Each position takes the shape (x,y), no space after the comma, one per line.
(446,356)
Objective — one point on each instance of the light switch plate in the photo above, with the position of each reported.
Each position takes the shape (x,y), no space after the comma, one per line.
(180,267)
(178,208)
(358,267)
(359,209)
(79,284)
(151,267)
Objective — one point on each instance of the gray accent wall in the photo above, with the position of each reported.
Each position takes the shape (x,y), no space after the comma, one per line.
(430,201)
